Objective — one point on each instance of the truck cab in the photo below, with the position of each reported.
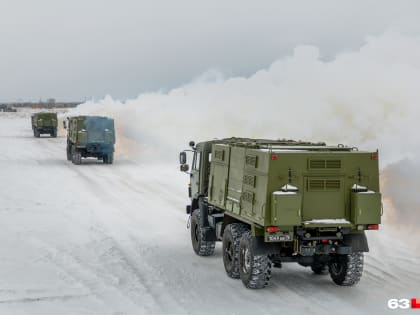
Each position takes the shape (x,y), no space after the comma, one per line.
(44,123)
(90,136)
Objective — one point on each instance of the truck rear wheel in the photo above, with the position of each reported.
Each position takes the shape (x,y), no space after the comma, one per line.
(347,270)
(77,158)
(54,133)
(108,158)
(36,133)
(231,239)
(200,246)
(254,269)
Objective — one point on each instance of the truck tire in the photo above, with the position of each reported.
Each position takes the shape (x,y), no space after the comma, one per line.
(36,133)
(201,247)
(231,239)
(77,158)
(109,158)
(346,270)
(254,270)
(54,133)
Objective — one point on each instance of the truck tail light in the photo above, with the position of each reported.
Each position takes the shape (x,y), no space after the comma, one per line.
(273,229)
(274,157)
(324,241)
(374,156)
(373,227)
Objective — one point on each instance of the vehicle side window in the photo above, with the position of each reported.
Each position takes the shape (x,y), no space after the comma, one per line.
(196,162)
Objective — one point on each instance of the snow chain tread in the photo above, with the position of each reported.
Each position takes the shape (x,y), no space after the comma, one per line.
(237,230)
(353,269)
(261,268)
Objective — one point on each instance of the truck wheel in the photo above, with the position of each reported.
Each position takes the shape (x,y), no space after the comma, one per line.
(68,151)
(347,270)
(201,247)
(231,239)
(109,158)
(77,158)
(54,133)
(37,133)
(255,270)
(320,268)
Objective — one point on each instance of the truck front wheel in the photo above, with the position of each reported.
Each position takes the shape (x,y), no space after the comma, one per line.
(200,246)
(231,239)
(347,270)
(254,269)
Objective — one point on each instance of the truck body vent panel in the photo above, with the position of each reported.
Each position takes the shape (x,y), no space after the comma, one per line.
(324,164)
(324,185)
(248,196)
(219,155)
(317,164)
(333,164)
(316,184)
(249,180)
(332,184)
(251,160)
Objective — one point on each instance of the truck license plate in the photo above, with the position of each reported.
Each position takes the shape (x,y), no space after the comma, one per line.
(277,238)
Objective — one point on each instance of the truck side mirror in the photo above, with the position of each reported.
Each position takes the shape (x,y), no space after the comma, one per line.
(64,124)
(184,167)
(182,158)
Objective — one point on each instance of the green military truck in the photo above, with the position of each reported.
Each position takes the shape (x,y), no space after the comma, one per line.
(272,202)
(44,122)
(90,136)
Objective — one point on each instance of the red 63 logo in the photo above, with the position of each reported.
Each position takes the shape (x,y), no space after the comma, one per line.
(403,303)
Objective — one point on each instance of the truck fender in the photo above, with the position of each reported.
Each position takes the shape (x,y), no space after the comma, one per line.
(358,242)
(209,234)
(204,213)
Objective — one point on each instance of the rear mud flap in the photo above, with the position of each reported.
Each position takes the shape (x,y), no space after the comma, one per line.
(209,234)
(260,247)
(357,242)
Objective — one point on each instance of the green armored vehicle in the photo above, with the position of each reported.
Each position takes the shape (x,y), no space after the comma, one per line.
(44,123)
(272,202)
(90,136)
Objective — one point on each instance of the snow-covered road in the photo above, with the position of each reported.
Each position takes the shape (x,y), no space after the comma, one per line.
(112,239)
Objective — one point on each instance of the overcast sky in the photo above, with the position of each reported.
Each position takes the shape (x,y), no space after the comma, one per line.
(78,49)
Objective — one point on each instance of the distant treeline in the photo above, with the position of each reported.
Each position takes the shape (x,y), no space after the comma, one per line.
(50,104)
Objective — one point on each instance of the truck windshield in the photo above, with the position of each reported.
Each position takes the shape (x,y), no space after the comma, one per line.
(96,127)
(46,116)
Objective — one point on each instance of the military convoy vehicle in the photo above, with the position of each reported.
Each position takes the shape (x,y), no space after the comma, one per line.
(44,122)
(90,136)
(272,202)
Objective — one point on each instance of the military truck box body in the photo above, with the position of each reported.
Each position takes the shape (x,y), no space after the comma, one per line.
(91,136)
(44,123)
(271,202)
(300,186)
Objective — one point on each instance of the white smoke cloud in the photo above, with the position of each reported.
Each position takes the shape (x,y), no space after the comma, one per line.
(366,98)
